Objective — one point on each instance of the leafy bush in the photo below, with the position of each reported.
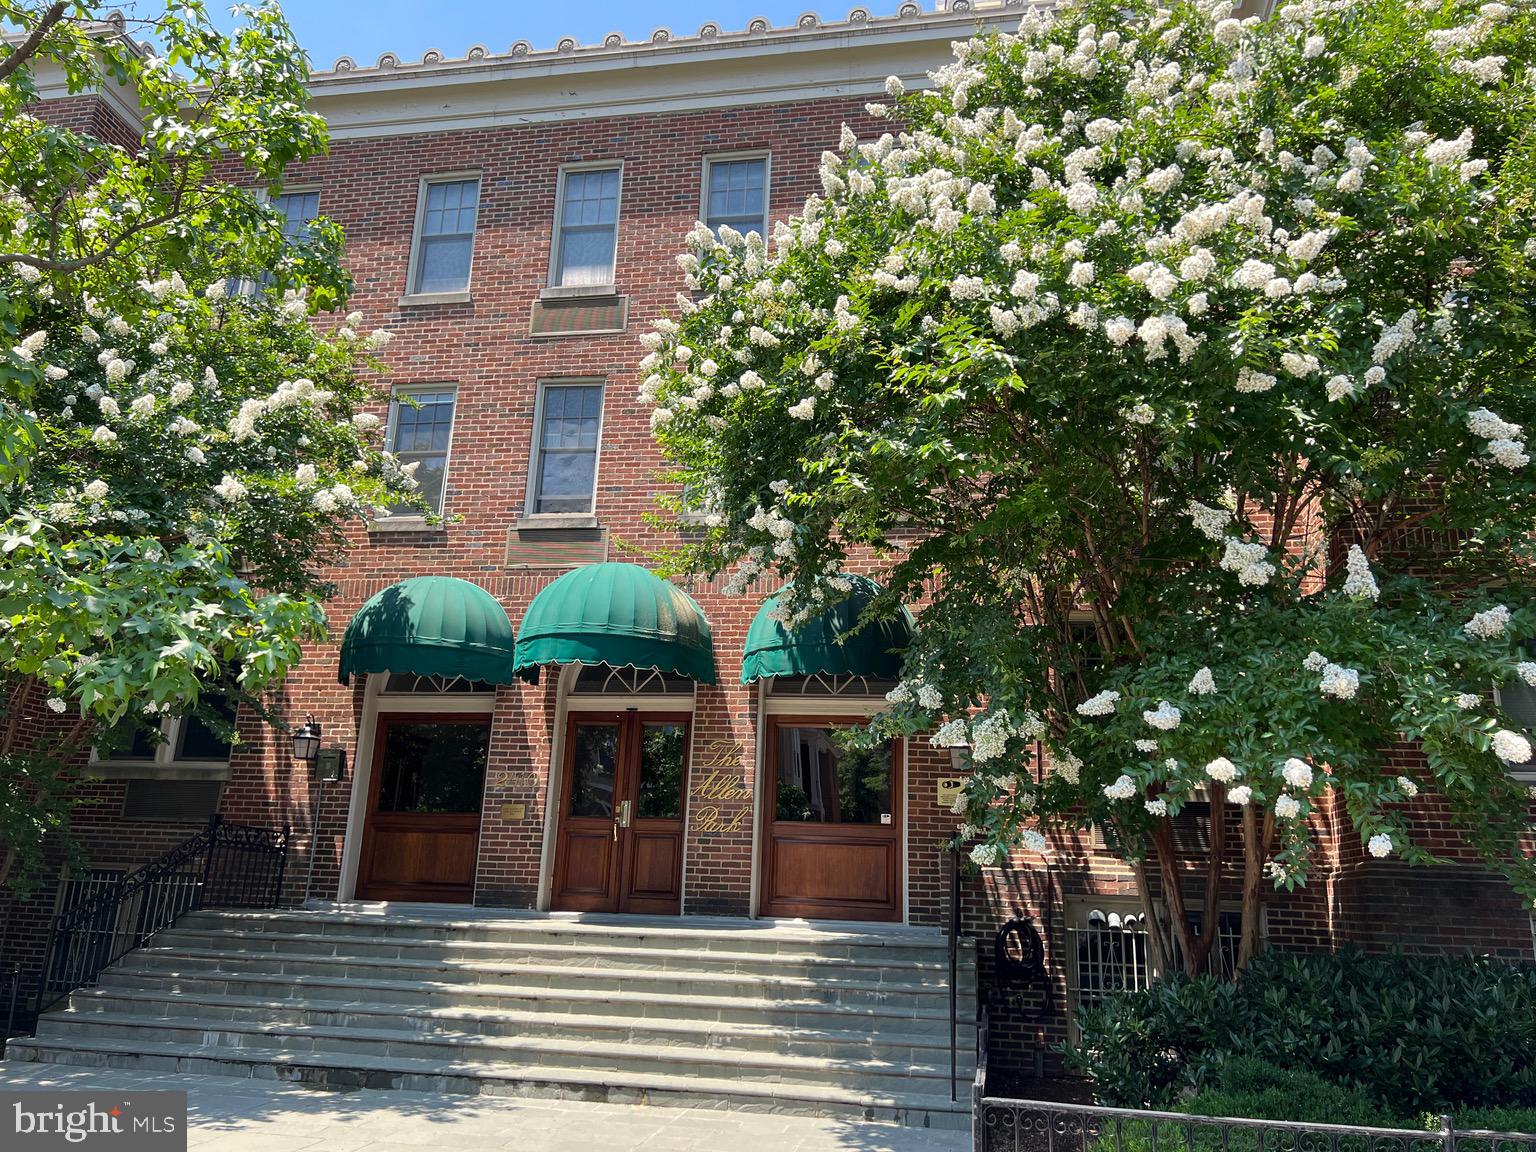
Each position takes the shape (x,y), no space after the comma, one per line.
(1249,1087)
(1415,1033)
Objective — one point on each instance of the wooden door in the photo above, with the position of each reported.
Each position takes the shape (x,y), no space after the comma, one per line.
(831,825)
(620,846)
(421,836)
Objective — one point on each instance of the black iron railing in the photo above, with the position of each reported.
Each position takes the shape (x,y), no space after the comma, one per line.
(954,970)
(12,994)
(1004,1125)
(223,866)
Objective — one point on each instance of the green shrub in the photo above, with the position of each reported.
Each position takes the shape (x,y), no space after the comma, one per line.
(1415,1033)
(1249,1087)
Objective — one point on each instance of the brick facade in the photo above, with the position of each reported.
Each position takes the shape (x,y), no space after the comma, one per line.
(370,186)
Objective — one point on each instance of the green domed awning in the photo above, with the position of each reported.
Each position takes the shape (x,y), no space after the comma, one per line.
(829,644)
(617,614)
(432,626)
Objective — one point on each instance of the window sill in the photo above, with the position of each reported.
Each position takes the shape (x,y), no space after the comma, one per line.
(124,770)
(577,291)
(562,520)
(406,524)
(427,299)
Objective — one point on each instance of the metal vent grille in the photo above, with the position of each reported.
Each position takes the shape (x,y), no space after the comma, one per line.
(556,547)
(579,315)
(183,800)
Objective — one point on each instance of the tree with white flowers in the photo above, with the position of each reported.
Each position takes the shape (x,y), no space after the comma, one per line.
(179,453)
(1179,364)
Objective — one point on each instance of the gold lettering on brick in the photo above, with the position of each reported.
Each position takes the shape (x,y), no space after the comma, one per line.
(710,822)
(721,786)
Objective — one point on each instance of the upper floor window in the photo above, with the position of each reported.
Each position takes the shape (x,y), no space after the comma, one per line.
(420,430)
(586,227)
(566,435)
(1518,699)
(298,210)
(445,235)
(736,193)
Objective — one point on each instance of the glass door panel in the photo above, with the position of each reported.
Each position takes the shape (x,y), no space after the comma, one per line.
(594,770)
(433,767)
(663,746)
(820,781)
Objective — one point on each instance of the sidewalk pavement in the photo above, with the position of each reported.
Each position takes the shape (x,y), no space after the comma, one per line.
(233,1115)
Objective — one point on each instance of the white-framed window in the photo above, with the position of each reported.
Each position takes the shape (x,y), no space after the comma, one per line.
(736,192)
(185,742)
(586,225)
(1108,949)
(447,214)
(420,433)
(567,432)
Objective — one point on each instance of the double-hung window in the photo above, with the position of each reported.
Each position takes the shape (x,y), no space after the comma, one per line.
(445,235)
(586,227)
(736,193)
(566,436)
(420,430)
(299,210)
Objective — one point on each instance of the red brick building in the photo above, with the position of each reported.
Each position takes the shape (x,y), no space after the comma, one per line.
(512,218)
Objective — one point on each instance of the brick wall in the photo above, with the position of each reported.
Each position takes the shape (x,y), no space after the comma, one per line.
(371,187)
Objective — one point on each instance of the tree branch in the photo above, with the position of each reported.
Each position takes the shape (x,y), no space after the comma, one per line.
(28,47)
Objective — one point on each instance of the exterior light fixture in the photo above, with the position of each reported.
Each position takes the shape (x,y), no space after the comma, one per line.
(306,740)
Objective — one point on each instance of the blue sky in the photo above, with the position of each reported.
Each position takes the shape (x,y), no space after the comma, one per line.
(331,28)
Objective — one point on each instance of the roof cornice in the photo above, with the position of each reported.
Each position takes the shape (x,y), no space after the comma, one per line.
(711,69)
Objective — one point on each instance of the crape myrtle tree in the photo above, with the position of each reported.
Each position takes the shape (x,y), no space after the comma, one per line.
(1179,364)
(179,454)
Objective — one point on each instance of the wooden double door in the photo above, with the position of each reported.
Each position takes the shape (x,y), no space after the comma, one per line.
(831,824)
(622,799)
(421,835)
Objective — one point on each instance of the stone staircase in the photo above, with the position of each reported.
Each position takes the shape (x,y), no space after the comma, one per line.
(765,1016)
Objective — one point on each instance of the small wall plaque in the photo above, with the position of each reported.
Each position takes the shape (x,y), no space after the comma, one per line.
(949,790)
(514,811)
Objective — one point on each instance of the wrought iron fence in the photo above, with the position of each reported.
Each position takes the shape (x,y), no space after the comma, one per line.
(1003,1125)
(12,993)
(223,866)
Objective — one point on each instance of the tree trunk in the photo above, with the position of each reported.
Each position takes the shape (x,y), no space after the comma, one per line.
(1173,892)
(1255,851)
(1159,942)
(1211,914)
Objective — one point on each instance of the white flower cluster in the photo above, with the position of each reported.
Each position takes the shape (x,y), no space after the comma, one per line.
(1164,717)
(1249,560)
(1340,682)
(1202,683)
(1212,523)
(1359,584)
(1101,704)
(1506,441)
(1511,747)
(1222,770)
(1297,774)
(1123,788)
(1379,845)
(1489,624)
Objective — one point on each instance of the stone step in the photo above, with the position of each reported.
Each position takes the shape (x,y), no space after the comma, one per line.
(651,1086)
(831,988)
(827,1041)
(780,938)
(647,1003)
(863,1075)
(899,967)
